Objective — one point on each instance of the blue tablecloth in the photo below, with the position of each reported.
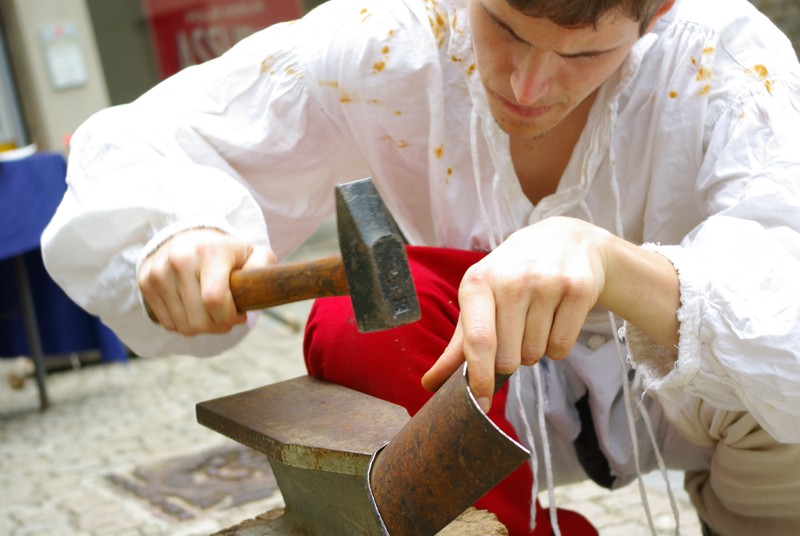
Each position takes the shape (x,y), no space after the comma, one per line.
(30,190)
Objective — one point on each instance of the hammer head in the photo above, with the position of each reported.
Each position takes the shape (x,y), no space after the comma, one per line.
(374,259)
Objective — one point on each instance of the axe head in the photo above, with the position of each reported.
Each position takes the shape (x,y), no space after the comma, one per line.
(374,259)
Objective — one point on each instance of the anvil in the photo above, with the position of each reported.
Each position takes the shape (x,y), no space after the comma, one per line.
(351,464)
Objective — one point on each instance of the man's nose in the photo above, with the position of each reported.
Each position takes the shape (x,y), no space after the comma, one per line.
(531,76)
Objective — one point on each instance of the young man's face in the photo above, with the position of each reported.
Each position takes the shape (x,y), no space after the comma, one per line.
(535,72)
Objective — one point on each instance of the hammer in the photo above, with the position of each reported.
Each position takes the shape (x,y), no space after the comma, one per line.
(372,268)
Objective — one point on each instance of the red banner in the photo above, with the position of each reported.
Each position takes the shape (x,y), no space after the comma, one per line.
(188,32)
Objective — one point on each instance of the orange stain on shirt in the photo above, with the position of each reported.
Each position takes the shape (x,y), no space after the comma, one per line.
(400,144)
(437,21)
(436,26)
(673,94)
(703,74)
(471,69)
(439,151)
(378,67)
(762,72)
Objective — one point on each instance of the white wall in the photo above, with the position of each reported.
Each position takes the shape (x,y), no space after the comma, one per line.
(50,113)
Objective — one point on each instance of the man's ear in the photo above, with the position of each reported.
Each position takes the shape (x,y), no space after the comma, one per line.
(660,12)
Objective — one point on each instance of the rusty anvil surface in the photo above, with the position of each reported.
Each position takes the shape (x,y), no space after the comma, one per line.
(348,463)
(331,438)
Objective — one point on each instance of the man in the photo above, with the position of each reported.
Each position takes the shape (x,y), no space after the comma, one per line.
(620,161)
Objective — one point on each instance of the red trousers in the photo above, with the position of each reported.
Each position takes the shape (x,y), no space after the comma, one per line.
(389,365)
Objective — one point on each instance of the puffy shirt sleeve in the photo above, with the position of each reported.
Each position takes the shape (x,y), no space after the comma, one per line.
(739,338)
(237,143)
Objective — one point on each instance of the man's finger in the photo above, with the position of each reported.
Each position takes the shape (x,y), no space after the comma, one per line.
(450,360)
(160,292)
(479,331)
(198,319)
(216,298)
(511,313)
(259,257)
(538,324)
(567,323)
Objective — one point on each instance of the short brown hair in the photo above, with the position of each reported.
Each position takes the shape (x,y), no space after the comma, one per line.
(581,13)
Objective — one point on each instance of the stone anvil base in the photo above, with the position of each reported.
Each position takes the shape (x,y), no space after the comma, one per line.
(472,522)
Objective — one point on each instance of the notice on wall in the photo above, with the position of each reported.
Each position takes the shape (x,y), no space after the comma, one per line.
(63,55)
(189,32)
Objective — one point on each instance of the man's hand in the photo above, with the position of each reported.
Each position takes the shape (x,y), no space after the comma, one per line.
(530,297)
(185,282)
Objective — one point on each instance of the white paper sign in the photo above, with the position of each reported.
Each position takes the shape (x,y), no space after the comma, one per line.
(64,56)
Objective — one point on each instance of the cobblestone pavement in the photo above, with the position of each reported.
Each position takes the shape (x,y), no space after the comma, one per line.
(114,418)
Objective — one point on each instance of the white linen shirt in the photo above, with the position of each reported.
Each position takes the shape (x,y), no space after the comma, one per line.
(691,148)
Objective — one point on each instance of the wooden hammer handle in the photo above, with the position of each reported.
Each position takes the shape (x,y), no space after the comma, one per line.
(278,284)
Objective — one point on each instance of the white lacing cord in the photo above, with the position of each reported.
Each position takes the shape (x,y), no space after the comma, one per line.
(626,401)
(661,466)
(476,173)
(528,433)
(625,386)
(626,389)
(548,461)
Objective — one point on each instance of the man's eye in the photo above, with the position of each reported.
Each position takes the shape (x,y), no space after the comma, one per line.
(505,29)
(584,57)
